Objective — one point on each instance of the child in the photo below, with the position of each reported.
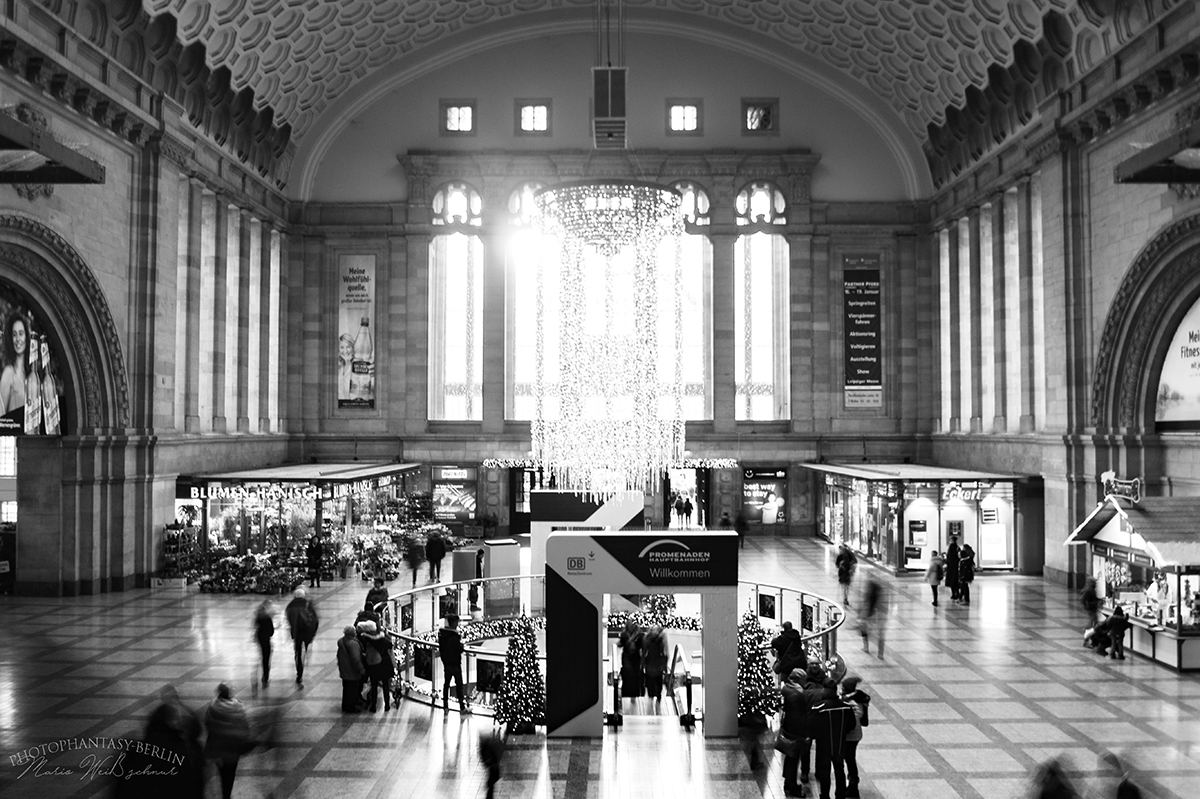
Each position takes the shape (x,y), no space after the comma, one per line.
(859,702)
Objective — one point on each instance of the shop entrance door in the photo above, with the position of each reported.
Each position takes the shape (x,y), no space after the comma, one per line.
(685,486)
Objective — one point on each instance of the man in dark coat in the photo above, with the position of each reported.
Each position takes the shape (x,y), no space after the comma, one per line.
(834,719)
(846,564)
(966,574)
(314,553)
(435,550)
(953,557)
(450,650)
(377,595)
(303,621)
(789,650)
(741,527)
(796,709)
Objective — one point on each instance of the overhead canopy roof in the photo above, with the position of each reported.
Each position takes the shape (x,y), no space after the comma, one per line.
(312,473)
(1164,526)
(907,472)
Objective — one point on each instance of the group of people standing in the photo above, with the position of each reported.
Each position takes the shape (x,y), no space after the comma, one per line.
(643,660)
(957,567)
(816,710)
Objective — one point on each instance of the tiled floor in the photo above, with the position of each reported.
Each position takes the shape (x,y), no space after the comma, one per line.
(967,702)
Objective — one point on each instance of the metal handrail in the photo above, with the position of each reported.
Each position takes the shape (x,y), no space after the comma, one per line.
(679,656)
(615,719)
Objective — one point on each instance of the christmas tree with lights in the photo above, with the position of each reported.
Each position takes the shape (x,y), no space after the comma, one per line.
(660,606)
(757,697)
(521,700)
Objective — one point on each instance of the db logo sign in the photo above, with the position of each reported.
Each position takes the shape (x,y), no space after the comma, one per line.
(576,564)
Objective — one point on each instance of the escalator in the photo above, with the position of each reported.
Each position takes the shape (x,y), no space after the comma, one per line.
(681,697)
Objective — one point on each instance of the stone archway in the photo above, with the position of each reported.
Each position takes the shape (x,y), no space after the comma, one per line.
(54,276)
(1159,287)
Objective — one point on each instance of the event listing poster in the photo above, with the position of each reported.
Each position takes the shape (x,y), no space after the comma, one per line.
(356,331)
(863,346)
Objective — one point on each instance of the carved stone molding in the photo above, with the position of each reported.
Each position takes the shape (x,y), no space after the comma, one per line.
(173,149)
(1185,191)
(1131,326)
(75,298)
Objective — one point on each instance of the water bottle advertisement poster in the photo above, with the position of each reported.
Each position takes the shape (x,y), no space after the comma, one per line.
(356,330)
(31,384)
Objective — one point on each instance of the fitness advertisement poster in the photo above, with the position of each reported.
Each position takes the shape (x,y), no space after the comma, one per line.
(31,386)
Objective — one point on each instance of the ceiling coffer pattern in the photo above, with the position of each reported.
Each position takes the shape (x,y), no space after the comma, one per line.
(920,56)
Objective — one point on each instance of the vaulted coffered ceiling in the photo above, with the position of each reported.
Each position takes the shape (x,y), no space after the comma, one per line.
(920,57)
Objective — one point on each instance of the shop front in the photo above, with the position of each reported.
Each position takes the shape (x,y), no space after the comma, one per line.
(897,515)
(1145,558)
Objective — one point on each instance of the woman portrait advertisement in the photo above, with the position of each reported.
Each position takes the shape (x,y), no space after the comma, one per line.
(345,363)
(13,377)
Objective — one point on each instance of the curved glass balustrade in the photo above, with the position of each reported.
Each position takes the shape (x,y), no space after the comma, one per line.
(487,610)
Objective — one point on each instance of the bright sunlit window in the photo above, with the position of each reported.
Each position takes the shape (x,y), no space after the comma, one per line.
(8,456)
(458,117)
(456,307)
(761,287)
(533,116)
(684,118)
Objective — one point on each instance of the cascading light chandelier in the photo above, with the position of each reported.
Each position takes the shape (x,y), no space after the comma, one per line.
(611,419)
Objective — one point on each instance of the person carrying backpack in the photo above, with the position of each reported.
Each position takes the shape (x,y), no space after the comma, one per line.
(859,701)
(303,622)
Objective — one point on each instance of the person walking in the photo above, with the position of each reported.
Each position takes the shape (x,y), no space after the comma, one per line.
(933,574)
(450,650)
(228,736)
(953,557)
(381,666)
(491,752)
(847,564)
(264,629)
(679,510)
(632,676)
(303,622)
(794,724)
(1118,623)
(742,527)
(1090,599)
(687,512)
(789,651)
(966,574)
(654,660)
(835,720)
(435,550)
(414,556)
(859,701)
(874,611)
(351,668)
(1050,782)
(314,553)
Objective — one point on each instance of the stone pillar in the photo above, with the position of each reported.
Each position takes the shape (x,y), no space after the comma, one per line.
(1025,302)
(973,275)
(265,323)
(827,397)
(189,291)
(243,324)
(217,350)
(494,303)
(1001,308)
(254,311)
(801,329)
(723,335)
(954,312)
(417,330)
(912,317)
(396,348)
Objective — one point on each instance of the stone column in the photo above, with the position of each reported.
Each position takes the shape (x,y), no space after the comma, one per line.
(1025,303)
(1000,299)
(188,371)
(265,324)
(243,323)
(417,330)
(973,275)
(802,315)
(954,312)
(723,334)
(217,350)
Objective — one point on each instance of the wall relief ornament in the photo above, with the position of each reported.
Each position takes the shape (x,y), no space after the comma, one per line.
(1131,325)
(100,362)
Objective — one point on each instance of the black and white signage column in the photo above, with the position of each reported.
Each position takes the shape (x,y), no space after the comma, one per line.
(862,343)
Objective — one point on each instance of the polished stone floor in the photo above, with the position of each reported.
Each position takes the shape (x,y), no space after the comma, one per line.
(967,702)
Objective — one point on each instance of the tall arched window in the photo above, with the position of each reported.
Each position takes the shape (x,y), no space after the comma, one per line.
(760,297)
(527,253)
(456,306)
(697,304)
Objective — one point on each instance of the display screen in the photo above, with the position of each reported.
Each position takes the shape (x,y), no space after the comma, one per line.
(763,496)
(31,379)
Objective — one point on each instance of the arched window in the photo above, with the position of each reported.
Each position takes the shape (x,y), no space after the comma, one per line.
(696,255)
(760,296)
(526,256)
(456,306)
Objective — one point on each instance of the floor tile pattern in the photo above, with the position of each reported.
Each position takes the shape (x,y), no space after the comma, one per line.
(968,700)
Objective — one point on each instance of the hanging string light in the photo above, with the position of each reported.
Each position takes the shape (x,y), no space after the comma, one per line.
(618,422)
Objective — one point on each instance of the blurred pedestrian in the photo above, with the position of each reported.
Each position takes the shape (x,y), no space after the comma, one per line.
(846,565)
(873,621)
(491,752)
(1090,599)
(654,660)
(1113,779)
(726,523)
(228,736)
(934,572)
(742,527)
(1049,782)
(632,676)
(303,622)
(351,668)
(414,556)
(687,511)
(264,628)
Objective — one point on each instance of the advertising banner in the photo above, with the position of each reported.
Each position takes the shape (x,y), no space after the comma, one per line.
(764,494)
(356,322)
(454,493)
(862,332)
(31,386)
(1178,402)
